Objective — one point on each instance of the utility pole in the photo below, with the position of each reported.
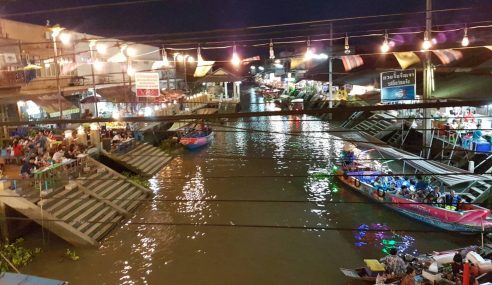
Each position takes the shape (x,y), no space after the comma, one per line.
(427,72)
(330,67)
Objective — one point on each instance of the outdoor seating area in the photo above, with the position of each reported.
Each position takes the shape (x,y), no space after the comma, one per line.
(464,127)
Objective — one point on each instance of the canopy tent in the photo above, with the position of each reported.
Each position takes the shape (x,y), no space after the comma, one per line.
(220,75)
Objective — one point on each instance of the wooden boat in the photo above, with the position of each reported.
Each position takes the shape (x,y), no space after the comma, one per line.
(361,274)
(197,138)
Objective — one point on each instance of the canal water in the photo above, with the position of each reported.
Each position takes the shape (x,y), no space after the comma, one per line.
(260,228)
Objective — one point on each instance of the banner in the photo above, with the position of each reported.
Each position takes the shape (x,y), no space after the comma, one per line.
(398,85)
(147,84)
(405,59)
(447,56)
(352,61)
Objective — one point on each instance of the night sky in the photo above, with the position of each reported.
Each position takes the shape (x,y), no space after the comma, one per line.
(171,16)
(162,23)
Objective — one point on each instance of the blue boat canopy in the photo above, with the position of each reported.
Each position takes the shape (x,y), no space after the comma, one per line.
(8,278)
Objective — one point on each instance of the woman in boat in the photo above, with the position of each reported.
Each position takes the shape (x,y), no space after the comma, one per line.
(393,263)
(409,278)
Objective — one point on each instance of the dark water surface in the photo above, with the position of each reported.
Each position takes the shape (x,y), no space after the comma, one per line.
(238,242)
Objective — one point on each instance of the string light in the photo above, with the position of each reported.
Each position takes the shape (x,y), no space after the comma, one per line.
(426,44)
(272,52)
(385,47)
(465,42)
(309,53)
(235,57)
(347,46)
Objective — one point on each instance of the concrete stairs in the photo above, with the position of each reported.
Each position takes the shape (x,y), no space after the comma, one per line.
(87,208)
(144,159)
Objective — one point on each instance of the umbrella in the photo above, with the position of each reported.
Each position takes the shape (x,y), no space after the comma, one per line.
(91,99)
(31,67)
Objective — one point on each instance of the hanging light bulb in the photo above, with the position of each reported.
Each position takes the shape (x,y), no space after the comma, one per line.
(235,60)
(465,42)
(426,44)
(272,52)
(165,61)
(385,46)
(309,53)
(199,55)
(347,46)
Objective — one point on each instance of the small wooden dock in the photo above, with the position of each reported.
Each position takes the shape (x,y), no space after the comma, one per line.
(80,202)
(141,158)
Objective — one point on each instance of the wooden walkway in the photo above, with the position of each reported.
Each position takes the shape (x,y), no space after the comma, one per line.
(143,159)
(93,200)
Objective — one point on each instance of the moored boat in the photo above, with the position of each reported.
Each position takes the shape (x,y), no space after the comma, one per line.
(197,138)
(363,177)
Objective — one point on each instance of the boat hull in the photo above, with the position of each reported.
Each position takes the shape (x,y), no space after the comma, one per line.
(358,274)
(196,142)
(461,221)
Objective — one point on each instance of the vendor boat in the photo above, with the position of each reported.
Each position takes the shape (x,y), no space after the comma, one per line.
(363,275)
(197,138)
(469,218)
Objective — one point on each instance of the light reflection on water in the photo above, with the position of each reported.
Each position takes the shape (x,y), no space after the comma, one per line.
(180,254)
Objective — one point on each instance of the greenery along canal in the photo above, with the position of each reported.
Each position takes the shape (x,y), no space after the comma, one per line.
(259,177)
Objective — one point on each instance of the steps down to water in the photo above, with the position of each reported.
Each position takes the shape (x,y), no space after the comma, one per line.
(375,124)
(477,192)
(87,208)
(143,159)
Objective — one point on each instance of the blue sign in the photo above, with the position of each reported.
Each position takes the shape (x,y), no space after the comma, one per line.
(398,85)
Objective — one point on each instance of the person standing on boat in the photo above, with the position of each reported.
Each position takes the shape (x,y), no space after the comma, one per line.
(393,263)
(452,201)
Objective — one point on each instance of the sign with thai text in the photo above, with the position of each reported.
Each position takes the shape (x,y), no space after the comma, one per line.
(147,84)
(398,85)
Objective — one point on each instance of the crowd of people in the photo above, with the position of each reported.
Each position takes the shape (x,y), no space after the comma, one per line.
(416,189)
(41,150)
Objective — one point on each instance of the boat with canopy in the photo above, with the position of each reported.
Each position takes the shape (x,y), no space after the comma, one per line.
(364,166)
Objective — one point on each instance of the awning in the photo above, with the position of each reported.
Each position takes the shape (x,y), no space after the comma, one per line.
(115,94)
(50,103)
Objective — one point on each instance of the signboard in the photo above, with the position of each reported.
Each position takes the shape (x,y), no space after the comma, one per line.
(398,85)
(147,84)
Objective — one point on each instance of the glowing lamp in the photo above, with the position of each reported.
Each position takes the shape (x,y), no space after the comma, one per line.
(347,46)
(68,134)
(94,126)
(191,59)
(426,44)
(98,65)
(80,130)
(385,47)
(131,52)
(102,48)
(235,60)
(65,38)
(465,42)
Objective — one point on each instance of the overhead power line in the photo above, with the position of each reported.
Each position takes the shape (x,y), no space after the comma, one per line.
(231,224)
(78,8)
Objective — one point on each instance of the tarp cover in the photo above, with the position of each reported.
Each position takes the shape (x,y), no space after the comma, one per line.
(449,175)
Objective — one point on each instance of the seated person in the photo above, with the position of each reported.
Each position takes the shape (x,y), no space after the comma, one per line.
(435,196)
(392,189)
(477,134)
(27,167)
(421,184)
(393,263)
(452,201)
(405,192)
(116,138)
